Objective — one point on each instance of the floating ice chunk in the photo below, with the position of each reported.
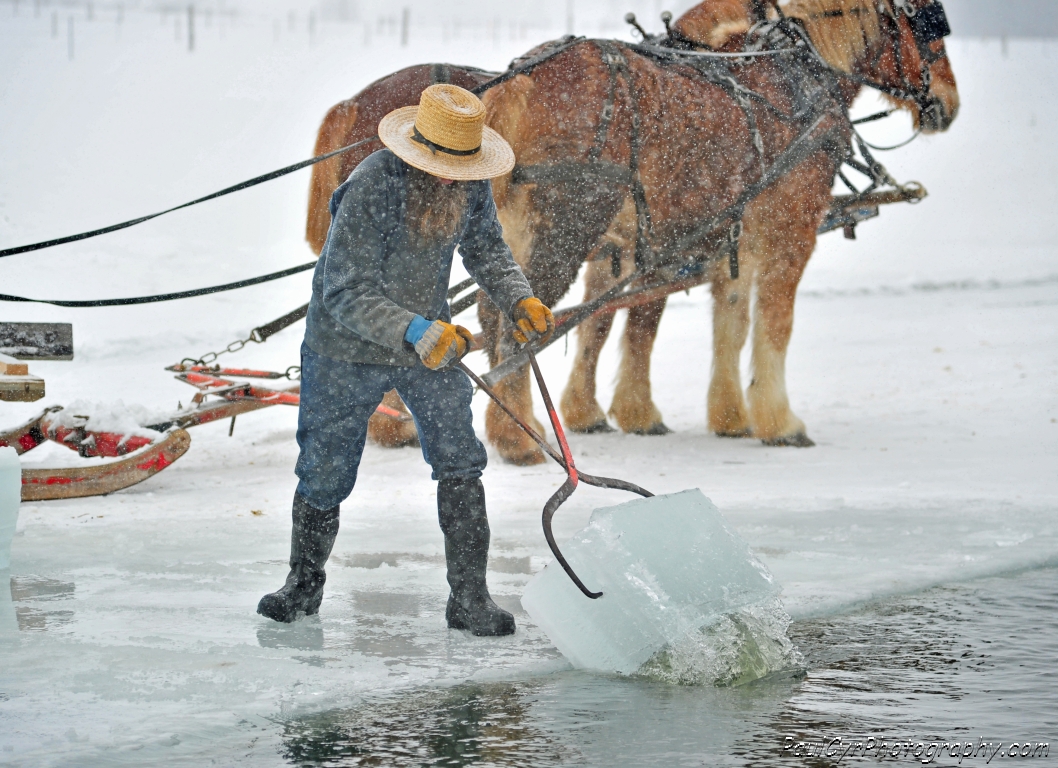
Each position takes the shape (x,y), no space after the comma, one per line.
(684,600)
(10,496)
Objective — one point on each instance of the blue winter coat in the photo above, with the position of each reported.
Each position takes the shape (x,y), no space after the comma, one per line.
(369,283)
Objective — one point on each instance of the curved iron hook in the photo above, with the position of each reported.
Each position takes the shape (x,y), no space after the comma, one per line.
(564,460)
(614,485)
(563,493)
(567,488)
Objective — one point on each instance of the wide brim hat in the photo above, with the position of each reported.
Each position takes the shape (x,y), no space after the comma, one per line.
(446,136)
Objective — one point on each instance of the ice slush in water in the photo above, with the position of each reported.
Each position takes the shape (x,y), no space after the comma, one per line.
(10,495)
(683,600)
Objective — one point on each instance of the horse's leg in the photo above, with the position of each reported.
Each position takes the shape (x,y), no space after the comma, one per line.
(632,407)
(513,444)
(581,411)
(610,261)
(773,421)
(786,219)
(727,414)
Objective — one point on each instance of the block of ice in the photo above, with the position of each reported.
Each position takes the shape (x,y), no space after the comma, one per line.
(10,495)
(683,597)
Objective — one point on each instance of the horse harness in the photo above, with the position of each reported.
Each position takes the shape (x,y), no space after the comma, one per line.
(813,83)
(807,112)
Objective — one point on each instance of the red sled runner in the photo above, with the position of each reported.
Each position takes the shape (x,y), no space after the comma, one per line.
(138,456)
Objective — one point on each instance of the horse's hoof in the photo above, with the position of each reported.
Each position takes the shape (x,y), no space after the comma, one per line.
(598,428)
(527,459)
(653,429)
(797,440)
(736,433)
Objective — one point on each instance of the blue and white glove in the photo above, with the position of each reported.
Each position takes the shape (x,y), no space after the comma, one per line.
(438,343)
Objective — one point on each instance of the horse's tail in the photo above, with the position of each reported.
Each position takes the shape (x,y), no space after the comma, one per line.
(336,127)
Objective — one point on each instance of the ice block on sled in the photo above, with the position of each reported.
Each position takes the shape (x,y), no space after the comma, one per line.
(676,581)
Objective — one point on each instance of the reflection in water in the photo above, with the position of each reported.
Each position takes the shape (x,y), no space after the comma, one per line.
(8,622)
(965,662)
(37,596)
(465,725)
(35,588)
(305,634)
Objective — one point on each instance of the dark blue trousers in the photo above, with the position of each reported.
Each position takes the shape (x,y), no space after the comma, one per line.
(337,399)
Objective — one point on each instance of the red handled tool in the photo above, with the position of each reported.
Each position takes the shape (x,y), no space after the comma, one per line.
(564,459)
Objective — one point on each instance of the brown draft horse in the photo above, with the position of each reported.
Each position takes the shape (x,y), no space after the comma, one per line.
(694,154)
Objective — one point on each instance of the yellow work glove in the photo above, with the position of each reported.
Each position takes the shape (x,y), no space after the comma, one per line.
(442,344)
(531,320)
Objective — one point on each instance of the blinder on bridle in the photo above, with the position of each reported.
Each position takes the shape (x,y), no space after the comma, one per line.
(930,23)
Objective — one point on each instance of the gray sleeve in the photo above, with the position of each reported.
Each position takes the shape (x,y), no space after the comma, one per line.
(352,280)
(488,259)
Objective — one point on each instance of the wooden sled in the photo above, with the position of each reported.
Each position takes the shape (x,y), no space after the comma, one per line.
(133,468)
(138,457)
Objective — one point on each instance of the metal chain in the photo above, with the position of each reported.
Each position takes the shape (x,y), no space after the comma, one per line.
(210,357)
(293,373)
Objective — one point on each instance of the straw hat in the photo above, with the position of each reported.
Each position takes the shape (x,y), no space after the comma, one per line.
(446,136)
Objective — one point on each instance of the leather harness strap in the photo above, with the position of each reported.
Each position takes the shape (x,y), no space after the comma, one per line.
(644,226)
(440,73)
(600,171)
(602,131)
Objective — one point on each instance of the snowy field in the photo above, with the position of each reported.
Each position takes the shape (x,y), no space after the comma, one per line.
(924,362)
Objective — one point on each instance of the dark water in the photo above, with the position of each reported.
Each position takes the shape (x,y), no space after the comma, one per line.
(969,663)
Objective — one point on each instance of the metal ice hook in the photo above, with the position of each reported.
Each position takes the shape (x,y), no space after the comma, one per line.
(564,459)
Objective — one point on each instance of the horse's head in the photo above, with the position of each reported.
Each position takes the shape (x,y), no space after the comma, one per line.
(924,25)
(896,46)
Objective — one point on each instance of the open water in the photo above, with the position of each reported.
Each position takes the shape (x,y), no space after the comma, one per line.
(969,663)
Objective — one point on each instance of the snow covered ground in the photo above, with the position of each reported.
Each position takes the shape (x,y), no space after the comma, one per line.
(924,361)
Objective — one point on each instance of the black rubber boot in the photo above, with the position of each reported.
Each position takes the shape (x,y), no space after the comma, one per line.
(311,540)
(461,511)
